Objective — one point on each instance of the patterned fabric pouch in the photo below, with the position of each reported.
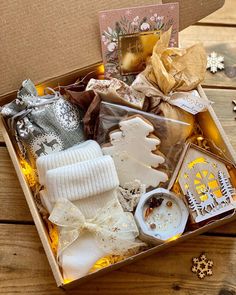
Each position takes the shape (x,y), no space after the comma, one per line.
(42,124)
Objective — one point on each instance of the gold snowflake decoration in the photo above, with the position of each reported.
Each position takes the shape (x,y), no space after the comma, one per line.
(202,266)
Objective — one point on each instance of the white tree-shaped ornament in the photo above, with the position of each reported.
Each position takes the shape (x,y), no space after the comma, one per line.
(226,187)
(193,204)
(134,151)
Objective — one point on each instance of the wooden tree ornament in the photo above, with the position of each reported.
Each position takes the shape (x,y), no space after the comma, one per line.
(134,150)
(205,181)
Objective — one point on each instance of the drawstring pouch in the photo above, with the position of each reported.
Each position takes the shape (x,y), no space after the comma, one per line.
(44,124)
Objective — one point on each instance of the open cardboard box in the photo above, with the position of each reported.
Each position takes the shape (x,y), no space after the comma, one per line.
(52,60)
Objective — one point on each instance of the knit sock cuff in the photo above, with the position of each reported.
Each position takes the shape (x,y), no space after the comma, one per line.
(87,150)
(81,180)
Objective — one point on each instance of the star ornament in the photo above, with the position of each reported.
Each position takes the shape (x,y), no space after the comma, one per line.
(202,266)
(215,62)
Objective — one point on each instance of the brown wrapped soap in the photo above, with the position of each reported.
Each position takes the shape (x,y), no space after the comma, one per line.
(170,81)
(176,69)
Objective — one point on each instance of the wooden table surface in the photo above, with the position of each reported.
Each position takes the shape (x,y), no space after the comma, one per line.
(24,268)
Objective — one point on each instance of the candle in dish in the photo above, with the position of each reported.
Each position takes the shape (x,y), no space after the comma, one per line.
(160,215)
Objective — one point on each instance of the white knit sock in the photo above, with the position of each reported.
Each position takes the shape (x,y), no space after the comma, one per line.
(89,149)
(79,257)
(82,180)
(88,206)
(90,185)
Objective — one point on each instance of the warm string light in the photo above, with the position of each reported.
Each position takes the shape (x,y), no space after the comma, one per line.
(209,145)
(53,234)
(26,168)
(101,69)
(100,72)
(40,90)
(67,281)
(106,261)
(176,188)
(202,142)
(200,138)
(174,238)
(29,172)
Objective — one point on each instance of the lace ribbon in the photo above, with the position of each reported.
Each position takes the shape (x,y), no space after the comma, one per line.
(189,101)
(114,230)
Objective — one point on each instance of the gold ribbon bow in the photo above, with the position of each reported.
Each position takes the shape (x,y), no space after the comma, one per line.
(114,230)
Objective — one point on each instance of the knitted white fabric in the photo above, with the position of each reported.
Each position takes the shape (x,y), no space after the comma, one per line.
(90,181)
(89,149)
(88,206)
(81,180)
(79,257)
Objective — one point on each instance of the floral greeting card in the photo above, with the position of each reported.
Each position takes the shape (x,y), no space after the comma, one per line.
(128,36)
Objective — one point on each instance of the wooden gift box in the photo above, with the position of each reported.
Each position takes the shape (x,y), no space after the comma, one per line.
(63,37)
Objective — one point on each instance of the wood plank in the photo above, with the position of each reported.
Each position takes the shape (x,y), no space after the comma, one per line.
(222,105)
(225,15)
(13,205)
(222,102)
(24,268)
(214,39)
(228,229)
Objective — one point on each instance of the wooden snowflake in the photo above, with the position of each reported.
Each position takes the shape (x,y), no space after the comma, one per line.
(234,102)
(202,266)
(215,62)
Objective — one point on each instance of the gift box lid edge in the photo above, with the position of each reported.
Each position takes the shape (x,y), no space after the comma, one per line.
(45,39)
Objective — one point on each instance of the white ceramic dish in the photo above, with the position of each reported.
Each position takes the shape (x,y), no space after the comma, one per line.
(166,220)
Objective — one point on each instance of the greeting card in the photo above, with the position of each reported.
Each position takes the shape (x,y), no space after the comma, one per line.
(128,36)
